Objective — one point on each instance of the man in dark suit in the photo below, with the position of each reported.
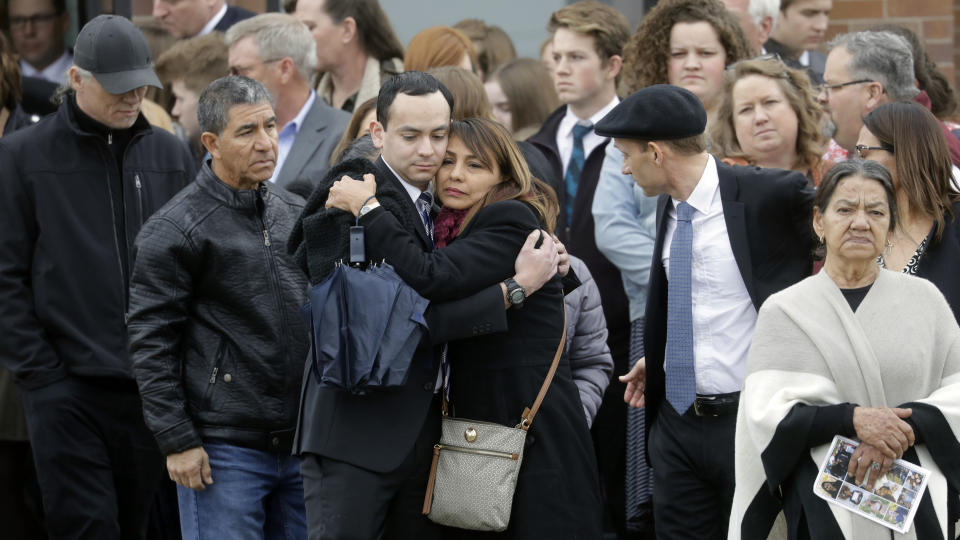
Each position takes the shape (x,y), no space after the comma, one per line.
(727,238)
(365,459)
(192,18)
(279,51)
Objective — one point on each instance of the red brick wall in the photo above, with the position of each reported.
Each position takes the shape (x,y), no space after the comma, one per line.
(937,22)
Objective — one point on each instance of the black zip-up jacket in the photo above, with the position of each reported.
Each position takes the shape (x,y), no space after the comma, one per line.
(216,334)
(63,290)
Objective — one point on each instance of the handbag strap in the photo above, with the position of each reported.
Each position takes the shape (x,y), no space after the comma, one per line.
(526,418)
(530,412)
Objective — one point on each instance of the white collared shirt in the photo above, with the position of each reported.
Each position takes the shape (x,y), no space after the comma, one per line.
(412,190)
(288,134)
(212,23)
(55,72)
(723,313)
(590,140)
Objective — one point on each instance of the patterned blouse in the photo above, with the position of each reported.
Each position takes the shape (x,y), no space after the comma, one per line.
(913,263)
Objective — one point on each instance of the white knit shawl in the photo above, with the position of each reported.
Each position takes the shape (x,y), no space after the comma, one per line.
(902,345)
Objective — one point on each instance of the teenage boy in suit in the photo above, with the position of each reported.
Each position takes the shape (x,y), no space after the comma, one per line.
(588,38)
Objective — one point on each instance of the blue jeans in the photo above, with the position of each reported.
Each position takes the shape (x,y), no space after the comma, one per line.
(255,495)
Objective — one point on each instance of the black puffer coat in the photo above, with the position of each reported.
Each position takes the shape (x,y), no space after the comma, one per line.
(216,335)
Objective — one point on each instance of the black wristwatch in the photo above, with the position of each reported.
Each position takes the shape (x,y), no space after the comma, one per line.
(516,294)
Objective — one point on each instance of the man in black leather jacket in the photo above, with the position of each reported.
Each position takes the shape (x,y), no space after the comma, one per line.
(74,191)
(216,335)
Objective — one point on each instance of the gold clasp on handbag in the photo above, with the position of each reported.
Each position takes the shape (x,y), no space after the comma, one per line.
(470,435)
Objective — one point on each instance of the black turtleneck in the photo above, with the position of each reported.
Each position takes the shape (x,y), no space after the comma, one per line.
(117,141)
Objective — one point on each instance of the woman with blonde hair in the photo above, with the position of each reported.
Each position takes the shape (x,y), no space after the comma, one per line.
(469,99)
(769,117)
(522,95)
(490,204)
(685,43)
(440,46)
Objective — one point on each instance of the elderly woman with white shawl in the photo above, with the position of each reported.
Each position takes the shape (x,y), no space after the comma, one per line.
(854,350)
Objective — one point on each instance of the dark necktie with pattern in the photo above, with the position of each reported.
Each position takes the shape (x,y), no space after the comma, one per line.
(575,167)
(424,206)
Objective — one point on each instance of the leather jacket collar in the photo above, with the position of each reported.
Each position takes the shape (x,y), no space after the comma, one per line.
(242,199)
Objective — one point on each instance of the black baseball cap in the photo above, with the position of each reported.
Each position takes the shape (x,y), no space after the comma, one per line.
(114,50)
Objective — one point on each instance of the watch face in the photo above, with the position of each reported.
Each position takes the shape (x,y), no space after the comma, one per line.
(516,296)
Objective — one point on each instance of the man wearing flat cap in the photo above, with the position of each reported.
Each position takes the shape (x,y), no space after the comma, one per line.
(727,238)
(75,189)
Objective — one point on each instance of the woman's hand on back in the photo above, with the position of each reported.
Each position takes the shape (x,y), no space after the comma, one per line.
(349,195)
(536,265)
(884,429)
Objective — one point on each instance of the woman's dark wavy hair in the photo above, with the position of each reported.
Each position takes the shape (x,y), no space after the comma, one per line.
(923,165)
(373,26)
(646,54)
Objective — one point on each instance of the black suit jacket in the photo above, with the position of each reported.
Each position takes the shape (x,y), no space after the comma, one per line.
(232,17)
(768,213)
(579,236)
(377,431)
(941,260)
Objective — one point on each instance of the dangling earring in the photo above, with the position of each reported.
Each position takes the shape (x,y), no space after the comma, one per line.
(821,240)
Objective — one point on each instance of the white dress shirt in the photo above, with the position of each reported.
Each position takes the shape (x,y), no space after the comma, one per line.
(723,314)
(288,135)
(412,190)
(590,140)
(212,23)
(55,72)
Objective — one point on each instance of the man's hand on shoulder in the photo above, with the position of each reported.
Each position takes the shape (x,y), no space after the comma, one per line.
(190,468)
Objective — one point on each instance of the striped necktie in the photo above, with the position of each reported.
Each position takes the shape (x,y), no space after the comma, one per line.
(575,167)
(424,206)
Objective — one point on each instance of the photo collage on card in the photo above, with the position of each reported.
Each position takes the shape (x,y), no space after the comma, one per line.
(893,495)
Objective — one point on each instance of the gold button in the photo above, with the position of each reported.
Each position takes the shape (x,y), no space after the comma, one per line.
(470,434)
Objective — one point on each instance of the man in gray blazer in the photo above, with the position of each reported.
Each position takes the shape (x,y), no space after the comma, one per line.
(279,51)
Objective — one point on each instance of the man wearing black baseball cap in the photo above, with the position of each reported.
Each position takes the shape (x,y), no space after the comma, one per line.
(75,189)
(727,238)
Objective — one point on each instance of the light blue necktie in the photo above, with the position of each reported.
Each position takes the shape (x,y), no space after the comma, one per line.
(575,167)
(424,206)
(681,380)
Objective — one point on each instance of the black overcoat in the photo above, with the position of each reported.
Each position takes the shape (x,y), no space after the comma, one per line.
(494,377)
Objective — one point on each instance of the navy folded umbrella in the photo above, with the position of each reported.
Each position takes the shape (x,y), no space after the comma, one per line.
(366,325)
